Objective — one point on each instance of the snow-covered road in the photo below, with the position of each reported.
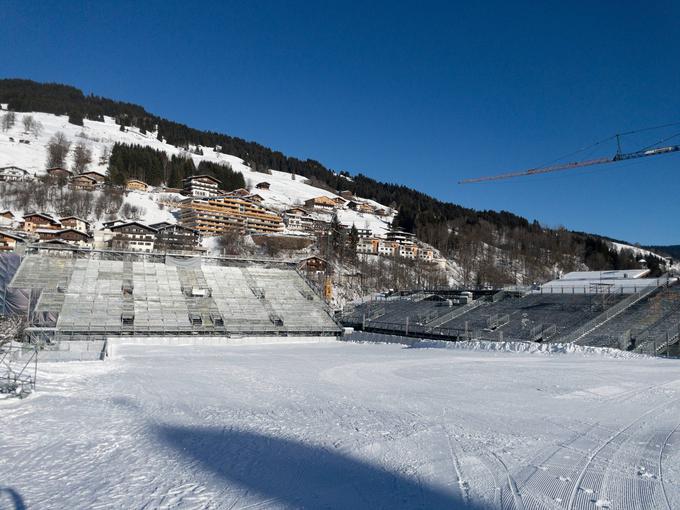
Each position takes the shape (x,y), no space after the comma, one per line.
(344,425)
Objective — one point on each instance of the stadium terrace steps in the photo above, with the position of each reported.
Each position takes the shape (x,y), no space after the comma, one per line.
(531,317)
(112,297)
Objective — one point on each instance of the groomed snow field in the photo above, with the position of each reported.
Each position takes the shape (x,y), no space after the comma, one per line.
(344,425)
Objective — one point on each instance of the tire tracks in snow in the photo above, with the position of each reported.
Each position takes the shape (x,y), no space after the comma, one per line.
(462,484)
(591,457)
(661,479)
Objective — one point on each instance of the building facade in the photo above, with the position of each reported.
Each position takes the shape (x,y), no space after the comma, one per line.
(83,183)
(59,173)
(201,186)
(9,242)
(136,185)
(13,174)
(75,223)
(216,215)
(175,238)
(68,235)
(133,236)
(298,219)
(34,221)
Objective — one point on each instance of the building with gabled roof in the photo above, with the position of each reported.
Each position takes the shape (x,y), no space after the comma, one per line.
(201,186)
(136,185)
(321,202)
(83,183)
(58,172)
(13,174)
(172,237)
(67,235)
(75,223)
(100,178)
(9,241)
(133,236)
(33,221)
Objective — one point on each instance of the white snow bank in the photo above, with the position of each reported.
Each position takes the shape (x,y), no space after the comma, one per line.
(486,345)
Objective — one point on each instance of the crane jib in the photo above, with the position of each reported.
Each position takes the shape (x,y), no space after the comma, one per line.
(576,164)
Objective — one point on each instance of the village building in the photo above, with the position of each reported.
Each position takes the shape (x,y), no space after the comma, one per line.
(133,236)
(368,245)
(13,174)
(217,215)
(75,223)
(400,236)
(388,249)
(34,221)
(201,186)
(361,232)
(346,194)
(9,242)
(103,238)
(408,251)
(99,178)
(175,238)
(68,235)
(241,192)
(321,202)
(8,219)
(339,202)
(263,185)
(136,185)
(298,219)
(255,198)
(83,183)
(59,173)
(313,265)
(362,207)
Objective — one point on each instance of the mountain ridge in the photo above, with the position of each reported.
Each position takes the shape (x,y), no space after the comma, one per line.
(497,246)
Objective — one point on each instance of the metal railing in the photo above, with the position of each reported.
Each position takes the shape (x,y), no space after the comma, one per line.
(607,315)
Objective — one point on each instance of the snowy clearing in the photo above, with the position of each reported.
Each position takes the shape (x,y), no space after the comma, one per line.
(344,425)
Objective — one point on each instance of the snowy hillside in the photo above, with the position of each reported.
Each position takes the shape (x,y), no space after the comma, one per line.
(284,192)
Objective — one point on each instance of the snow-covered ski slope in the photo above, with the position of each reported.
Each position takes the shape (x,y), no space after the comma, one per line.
(284,192)
(341,425)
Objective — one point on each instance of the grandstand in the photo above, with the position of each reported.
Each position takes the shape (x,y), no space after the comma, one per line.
(622,309)
(91,297)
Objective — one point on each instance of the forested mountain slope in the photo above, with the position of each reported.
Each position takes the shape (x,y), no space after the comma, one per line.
(489,246)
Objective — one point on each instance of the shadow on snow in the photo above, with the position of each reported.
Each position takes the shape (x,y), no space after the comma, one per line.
(300,475)
(11,499)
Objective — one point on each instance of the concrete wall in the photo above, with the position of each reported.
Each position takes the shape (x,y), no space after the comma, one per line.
(68,350)
(113,343)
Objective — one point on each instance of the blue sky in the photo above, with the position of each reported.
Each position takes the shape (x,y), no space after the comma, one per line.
(418,93)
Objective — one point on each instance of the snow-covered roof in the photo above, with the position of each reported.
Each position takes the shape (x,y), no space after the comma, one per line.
(12,236)
(606,275)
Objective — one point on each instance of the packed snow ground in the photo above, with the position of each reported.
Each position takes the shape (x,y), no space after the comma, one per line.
(343,425)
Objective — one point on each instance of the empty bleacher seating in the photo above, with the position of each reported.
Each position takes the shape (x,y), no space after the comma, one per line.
(109,297)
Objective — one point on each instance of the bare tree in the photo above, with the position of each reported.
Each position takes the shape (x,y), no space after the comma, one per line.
(28,122)
(105,155)
(57,150)
(36,128)
(8,121)
(82,156)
